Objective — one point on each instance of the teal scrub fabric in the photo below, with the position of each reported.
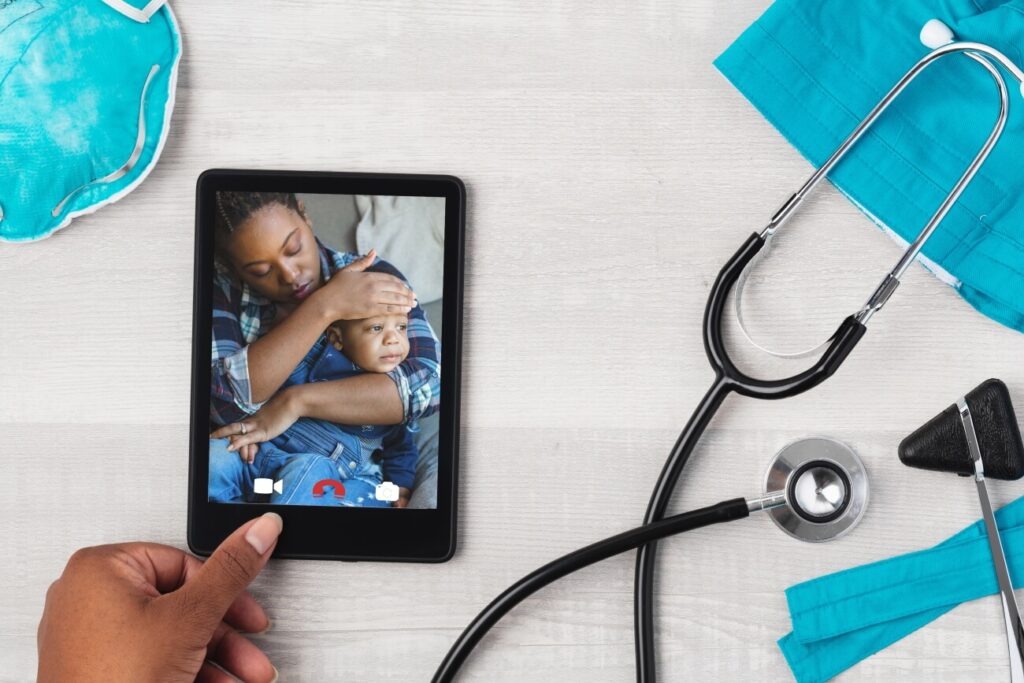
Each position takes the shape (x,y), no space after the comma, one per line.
(72,77)
(814,68)
(842,618)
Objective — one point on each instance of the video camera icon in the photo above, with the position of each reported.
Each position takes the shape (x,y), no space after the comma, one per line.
(267,485)
(387,492)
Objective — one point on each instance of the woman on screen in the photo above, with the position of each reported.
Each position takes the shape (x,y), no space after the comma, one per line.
(277,290)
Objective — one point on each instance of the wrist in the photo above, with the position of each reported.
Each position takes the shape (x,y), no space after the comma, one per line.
(326,310)
(295,400)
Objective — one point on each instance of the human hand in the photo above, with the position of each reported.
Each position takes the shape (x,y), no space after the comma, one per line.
(149,612)
(276,415)
(403,497)
(352,294)
(248,452)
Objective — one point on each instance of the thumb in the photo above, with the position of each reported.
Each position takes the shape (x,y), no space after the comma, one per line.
(232,567)
(361,263)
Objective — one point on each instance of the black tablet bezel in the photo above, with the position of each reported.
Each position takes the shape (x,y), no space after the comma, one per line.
(362,534)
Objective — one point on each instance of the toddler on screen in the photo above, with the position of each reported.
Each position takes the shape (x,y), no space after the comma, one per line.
(367,455)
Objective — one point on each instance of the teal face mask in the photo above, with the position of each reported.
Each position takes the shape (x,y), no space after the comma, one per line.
(86,91)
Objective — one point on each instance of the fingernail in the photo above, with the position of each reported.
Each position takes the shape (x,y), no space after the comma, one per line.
(264,630)
(262,534)
(276,674)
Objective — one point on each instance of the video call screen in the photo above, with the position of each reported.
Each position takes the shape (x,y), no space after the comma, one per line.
(326,349)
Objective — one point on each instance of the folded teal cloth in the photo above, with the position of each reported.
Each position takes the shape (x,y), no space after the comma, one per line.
(842,618)
(814,68)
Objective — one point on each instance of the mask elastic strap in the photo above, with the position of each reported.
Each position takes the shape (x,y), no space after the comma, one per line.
(140,15)
(125,169)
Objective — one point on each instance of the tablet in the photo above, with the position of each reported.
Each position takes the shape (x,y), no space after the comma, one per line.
(325,361)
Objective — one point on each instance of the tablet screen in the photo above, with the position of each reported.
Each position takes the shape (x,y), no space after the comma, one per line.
(325,373)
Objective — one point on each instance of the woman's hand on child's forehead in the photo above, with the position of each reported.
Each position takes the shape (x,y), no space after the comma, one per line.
(396,318)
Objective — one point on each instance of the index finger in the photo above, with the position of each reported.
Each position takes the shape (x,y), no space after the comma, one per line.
(227,430)
(253,436)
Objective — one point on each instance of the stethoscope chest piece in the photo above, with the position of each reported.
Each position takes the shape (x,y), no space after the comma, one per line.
(825,485)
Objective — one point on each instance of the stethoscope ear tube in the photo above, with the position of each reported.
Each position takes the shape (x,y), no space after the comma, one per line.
(841,343)
(728,378)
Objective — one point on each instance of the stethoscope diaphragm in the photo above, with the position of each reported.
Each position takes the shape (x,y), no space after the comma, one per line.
(825,485)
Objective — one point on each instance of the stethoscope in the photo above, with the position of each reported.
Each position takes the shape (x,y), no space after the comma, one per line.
(816,489)
(819,488)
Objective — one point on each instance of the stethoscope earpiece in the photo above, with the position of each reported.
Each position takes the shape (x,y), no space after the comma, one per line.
(935,34)
(824,486)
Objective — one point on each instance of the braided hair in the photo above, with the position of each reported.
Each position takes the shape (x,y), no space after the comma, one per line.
(234,208)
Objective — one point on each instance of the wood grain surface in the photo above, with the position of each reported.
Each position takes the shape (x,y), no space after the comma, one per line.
(611,170)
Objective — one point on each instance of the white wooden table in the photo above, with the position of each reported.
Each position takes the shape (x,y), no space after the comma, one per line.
(611,170)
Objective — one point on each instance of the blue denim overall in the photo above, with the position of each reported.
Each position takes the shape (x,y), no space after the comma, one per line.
(308,452)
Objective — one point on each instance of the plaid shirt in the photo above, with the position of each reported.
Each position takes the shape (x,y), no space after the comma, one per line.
(241,316)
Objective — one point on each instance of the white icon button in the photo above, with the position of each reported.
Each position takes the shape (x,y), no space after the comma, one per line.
(387,492)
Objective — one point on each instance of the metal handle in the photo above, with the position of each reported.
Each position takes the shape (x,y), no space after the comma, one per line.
(984,55)
(1011,613)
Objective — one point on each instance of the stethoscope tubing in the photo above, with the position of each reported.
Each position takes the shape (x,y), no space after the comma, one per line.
(725,511)
(728,379)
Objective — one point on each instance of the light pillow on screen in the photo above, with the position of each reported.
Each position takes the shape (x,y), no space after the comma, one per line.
(408,232)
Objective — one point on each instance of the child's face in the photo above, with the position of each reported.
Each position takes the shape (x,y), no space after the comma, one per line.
(275,253)
(376,344)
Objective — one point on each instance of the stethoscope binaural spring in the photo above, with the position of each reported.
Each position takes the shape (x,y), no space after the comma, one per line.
(937,35)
